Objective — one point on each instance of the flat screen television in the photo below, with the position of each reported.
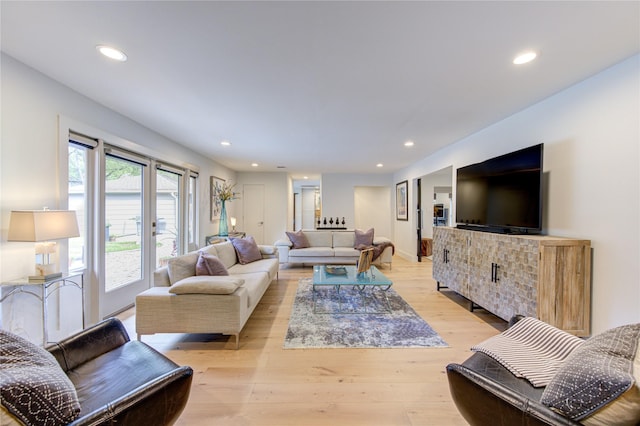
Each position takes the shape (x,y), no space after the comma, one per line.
(502,194)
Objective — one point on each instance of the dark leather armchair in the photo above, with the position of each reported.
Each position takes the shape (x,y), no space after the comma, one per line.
(486,393)
(122,382)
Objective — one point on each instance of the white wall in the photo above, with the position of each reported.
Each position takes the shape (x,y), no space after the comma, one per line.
(31,171)
(591,133)
(276,197)
(338,194)
(371,209)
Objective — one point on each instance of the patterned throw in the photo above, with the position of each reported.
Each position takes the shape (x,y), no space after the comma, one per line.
(531,349)
(33,387)
(377,249)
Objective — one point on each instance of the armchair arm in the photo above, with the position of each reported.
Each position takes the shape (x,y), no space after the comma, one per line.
(89,343)
(482,400)
(159,402)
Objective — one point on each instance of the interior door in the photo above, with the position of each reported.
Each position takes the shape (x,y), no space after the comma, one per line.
(253,215)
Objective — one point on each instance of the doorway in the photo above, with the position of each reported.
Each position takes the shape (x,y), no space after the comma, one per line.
(253,215)
(436,206)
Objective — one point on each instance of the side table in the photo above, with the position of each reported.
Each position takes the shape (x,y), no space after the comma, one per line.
(212,239)
(42,290)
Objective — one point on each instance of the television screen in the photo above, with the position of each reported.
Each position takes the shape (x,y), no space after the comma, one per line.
(502,194)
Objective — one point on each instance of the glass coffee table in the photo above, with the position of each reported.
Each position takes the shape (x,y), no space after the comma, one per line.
(369,285)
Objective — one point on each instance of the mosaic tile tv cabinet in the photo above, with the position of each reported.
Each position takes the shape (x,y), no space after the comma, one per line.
(545,277)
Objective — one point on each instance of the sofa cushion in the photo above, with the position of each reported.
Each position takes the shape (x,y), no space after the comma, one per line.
(182,267)
(602,372)
(270,266)
(206,285)
(363,237)
(343,239)
(346,252)
(312,252)
(227,254)
(320,238)
(298,239)
(33,386)
(246,249)
(210,265)
(210,249)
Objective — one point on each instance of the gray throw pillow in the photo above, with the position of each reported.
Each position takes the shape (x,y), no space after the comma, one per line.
(364,238)
(246,249)
(209,264)
(33,386)
(596,375)
(298,239)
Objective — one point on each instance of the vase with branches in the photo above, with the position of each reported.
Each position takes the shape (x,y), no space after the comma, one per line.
(224,192)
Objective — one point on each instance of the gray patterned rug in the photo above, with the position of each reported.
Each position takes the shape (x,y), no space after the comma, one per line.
(402,328)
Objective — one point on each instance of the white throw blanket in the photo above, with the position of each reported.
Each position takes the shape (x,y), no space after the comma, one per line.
(531,349)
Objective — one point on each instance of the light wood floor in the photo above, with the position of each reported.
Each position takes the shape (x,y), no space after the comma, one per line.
(264,384)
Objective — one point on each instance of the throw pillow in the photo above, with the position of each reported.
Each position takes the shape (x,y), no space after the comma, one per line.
(33,386)
(206,285)
(363,237)
(599,378)
(298,239)
(246,249)
(182,267)
(209,264)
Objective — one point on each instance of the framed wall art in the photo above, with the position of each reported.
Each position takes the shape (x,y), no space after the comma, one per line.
(216,204)
(402,205)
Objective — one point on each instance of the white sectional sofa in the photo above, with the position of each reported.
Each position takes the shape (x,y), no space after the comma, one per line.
(159,310)
(330,247)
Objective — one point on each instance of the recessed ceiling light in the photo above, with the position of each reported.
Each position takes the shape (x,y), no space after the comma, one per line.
(408,143)
(525,57)
(306,177)
(112,53)
(379,165)
(254,164)
(225,143)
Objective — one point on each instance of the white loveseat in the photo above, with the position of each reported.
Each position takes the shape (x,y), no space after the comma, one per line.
(159,310)
(330,247)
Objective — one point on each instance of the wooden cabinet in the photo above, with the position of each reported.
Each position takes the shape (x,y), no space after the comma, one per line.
(541,276)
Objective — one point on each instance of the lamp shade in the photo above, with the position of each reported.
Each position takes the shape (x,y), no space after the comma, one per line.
(42,225)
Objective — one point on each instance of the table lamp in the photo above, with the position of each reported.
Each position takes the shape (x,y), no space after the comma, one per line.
(41,227)
(233,224)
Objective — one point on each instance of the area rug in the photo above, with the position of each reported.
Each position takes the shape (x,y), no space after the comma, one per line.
(402,328)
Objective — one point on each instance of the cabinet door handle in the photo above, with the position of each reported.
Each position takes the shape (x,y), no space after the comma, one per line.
(494,272)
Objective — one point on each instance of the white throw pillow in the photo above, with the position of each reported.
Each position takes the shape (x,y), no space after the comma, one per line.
(206,284)
(227,254)
(182,267)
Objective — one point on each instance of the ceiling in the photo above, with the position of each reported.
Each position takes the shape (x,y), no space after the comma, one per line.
(319,87)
